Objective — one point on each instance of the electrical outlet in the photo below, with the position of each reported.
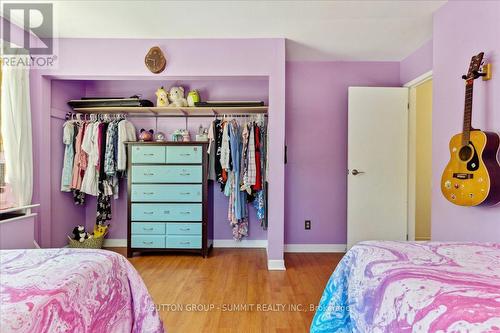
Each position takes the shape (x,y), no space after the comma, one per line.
(307,225)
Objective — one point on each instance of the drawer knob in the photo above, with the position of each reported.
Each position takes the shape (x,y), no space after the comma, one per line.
(184,243)
(148,229)
(184,229)
(186,154)
(148,193)
(185,174)
(149,154)
(149,174)
(166,212)
(147,243)
(185,213)
(149,213)
(185,193)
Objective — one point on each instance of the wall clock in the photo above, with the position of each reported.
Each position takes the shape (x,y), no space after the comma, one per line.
(155,60)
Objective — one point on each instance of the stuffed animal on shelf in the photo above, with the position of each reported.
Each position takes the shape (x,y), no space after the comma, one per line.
(100,230)
(176,96)
(161,97)
(146,135)
(193,97)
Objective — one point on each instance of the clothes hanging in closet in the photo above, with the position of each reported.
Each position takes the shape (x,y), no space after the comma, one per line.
(238,155)
(94,159)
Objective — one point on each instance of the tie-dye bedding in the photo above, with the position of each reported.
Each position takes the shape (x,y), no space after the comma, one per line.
(413,287)
(73,290)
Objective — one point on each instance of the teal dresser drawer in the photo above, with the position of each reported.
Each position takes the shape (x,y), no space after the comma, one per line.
(148,154)
(141,228)
(148,241)
(185,174)
(166,212)
(183,242)
(167,193)
(167,174)
(185,154)
(183,228)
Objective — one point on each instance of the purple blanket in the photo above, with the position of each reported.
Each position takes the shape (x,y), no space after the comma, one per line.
(73,290)
(413,287)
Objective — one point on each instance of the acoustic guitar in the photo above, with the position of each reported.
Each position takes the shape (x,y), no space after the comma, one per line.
(472,177)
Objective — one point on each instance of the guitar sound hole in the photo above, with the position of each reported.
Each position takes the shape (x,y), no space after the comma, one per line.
(465,153)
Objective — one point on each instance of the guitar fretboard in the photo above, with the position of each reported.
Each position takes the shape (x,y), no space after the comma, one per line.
(469,90)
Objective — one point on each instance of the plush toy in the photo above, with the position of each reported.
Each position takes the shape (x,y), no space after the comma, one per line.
(176,96)
(79,229)
(193,97)
(146,135)
(161,97)
(80,234)
(100,230)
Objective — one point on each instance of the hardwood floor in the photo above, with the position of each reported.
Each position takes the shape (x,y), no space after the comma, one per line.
(221,286)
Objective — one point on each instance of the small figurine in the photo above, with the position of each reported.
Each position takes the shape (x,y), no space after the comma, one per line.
(193,97)
(161,97)
(176,96)
(177,135)
(185,136)
(146,135)
(202,134)
(160,137)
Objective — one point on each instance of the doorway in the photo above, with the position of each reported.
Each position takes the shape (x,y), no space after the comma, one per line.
(420,159)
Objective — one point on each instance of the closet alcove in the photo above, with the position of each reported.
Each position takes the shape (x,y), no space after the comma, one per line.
(66,215)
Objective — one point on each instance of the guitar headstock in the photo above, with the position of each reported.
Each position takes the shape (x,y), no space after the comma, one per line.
(474,66)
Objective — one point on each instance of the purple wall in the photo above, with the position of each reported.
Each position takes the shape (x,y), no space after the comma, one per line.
(416,64)
(454,44)
(316,136)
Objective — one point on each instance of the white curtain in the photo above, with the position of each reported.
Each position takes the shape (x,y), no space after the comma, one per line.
(16,131)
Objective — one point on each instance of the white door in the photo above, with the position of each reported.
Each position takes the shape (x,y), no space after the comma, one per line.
(377,163)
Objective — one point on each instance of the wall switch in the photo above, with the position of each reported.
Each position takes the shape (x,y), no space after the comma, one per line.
(307,225)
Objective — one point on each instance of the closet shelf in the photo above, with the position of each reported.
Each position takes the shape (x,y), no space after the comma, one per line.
(175,111)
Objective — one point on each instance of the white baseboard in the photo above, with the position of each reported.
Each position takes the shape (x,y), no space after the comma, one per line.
(114,242)
(245,243)
(315,248)
(276,265)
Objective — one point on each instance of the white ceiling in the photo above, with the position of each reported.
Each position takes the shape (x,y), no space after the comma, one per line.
(315,30)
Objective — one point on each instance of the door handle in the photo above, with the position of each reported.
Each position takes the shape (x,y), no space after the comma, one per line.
(356,172)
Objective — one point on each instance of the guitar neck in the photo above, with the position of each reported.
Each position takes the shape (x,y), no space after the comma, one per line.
(469,89)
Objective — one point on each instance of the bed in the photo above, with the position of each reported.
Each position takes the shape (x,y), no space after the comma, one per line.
(385,286)
(73,290)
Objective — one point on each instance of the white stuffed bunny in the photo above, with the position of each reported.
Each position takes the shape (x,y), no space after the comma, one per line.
(176,96)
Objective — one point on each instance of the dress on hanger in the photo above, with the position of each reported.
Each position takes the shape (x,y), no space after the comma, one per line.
(126,132)
(79,164)
(69,154)
(90,182)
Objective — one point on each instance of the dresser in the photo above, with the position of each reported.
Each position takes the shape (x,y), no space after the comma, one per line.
(169,205)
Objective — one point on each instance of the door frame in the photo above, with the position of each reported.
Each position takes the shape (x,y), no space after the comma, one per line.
(412,144)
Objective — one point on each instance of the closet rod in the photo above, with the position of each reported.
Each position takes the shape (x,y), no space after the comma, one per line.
(194,116)
(181,116)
